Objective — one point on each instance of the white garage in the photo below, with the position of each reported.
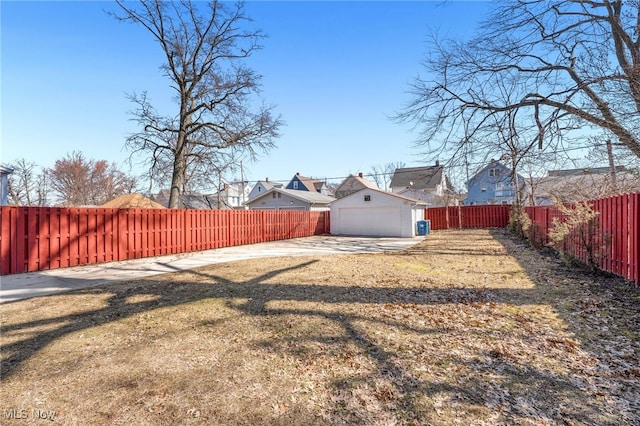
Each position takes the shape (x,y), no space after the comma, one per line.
(375,213)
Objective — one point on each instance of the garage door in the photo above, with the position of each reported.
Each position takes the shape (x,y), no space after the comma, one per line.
(379,222)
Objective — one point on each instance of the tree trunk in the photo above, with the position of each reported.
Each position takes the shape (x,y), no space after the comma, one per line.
(179,169)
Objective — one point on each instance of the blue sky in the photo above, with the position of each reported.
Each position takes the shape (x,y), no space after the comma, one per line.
(334,70)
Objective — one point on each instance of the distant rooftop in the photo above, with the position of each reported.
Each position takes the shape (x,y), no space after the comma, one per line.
(584,171)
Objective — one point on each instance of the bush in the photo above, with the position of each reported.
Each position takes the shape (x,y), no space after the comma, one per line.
(519,222)
(577,232)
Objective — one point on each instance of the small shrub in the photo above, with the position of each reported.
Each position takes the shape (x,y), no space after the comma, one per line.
(519,222)
(536,236)
(578,229)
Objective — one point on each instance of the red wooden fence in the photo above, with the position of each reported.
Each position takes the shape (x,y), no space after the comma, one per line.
(617,234)
(490,216)
(40,238)
(618,229)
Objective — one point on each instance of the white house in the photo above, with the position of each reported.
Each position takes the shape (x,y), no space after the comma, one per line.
(372,212)
(234,194)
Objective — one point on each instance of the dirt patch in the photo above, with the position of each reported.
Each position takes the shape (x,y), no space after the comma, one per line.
(468,327)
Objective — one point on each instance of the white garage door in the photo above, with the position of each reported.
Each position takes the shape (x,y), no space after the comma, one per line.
(379,222)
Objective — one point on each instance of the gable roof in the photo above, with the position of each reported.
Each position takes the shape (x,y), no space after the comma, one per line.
(266,184)
(310,197)
(390,194)
(309,183)
(353,183)
(493,164)
(428,177)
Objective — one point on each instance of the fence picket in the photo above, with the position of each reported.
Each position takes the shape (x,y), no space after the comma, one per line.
(40,238)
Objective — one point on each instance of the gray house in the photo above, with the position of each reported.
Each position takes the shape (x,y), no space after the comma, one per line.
(290,199)
(261,187)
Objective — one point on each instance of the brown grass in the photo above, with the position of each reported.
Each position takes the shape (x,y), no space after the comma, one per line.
(468,327)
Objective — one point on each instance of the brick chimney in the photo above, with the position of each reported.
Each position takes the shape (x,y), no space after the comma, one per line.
(360,174)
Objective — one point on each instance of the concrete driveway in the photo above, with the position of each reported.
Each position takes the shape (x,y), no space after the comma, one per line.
(34,284)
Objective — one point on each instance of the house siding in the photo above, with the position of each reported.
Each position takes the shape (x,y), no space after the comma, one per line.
(491,185)
(284,202)
(384,215)
(297,185)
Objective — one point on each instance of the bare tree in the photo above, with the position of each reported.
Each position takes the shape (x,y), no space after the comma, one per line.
(78,181)
(27,186)
(573,67)
(204,46)
(383,173)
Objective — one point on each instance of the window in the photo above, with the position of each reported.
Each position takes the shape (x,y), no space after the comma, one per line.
(367,197)
(295,184)
(273,195)
(483,189)
(494,172)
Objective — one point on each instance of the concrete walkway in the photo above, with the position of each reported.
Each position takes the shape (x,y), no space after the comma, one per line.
(34,284)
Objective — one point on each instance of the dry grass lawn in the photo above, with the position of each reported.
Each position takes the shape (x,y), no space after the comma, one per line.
(468,327)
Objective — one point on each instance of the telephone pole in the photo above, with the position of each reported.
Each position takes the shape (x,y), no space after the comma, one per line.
(612,167)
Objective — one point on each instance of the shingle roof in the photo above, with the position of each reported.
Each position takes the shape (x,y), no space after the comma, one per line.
(268,185)
(311,197)
(310,183)
(571,187)
(352,184)
(390,194)
(417,177)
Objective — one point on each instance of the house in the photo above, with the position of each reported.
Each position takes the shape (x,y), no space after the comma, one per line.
(373,212)
(571,185)
(353,184)
(301,183)
(4,184)
(233,195)
(429,184)
(261,187)
(493,184)
(290,199)
(430,179)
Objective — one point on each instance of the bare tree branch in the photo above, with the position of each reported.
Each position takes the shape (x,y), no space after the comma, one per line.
(204,47)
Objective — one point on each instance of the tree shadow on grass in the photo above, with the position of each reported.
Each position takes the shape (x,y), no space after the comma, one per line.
(492,383)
